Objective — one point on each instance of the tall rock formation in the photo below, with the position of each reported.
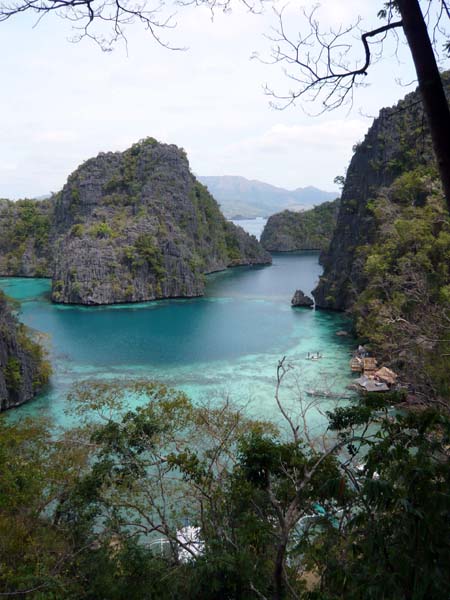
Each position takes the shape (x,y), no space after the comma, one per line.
(396,142)
(136,225)
(389,259)
(127,227)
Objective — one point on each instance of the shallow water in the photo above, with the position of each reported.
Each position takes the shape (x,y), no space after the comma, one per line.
(226,343)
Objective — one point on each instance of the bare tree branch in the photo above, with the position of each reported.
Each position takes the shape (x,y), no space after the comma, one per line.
(318,62)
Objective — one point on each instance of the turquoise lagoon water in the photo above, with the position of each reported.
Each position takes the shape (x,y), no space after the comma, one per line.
(227,343)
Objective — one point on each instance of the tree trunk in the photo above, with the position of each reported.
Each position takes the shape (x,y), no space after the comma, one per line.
(278,574)
(430,85)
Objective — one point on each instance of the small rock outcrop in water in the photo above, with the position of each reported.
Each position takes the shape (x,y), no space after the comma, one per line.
(127,227)
(300,299)
(23,370)
(308,230)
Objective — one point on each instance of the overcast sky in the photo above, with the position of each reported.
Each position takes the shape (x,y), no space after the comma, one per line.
(62,103)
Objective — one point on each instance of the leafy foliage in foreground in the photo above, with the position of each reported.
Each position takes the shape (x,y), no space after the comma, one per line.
(99,512)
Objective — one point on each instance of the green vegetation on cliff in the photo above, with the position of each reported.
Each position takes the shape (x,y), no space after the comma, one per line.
(25,228)
(23,367)
(308,230)
(388,262)
(405,306)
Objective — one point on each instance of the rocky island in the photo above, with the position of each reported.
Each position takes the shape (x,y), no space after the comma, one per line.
(127,227)
(301,299)
(307,230)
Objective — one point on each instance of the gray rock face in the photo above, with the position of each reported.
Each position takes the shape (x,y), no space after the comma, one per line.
(300,299)
(137,226)
(127,227)
(396,142)
(22,368)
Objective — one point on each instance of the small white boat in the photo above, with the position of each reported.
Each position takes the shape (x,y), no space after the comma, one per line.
(314,356)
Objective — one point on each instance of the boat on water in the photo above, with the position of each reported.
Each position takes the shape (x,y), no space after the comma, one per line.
(314,355)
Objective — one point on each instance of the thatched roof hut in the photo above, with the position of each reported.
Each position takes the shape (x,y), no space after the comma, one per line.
(386,375)
(356,364)
(370,365)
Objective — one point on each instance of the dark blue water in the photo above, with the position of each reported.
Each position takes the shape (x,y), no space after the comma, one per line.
(226,343)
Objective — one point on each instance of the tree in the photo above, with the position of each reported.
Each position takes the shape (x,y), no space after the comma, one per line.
(430,84)
(85,515)
(105,21)
(318,64)
(243,484)
(394,541)
(38,473)
(161,464)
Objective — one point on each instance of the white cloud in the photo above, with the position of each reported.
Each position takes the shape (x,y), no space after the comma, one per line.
(308,154)
(332,135)
(8,167)
(63,103)
(58,136)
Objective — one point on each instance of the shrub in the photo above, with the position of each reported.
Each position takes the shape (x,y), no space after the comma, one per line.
(77,230)
(13,374)
(101,230)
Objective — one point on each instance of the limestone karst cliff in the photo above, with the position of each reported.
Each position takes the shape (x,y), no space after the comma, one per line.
(397,142)
(127,227)
(389,259)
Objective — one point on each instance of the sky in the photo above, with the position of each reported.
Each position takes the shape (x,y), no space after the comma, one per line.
(62,102)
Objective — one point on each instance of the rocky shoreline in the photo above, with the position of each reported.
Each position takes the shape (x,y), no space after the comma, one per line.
(23,368)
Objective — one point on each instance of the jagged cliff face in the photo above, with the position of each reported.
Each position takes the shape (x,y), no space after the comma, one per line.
(137,226)
(308,230)
(396,142)
(25,228)
(127,227)
(389,259)
(23,370)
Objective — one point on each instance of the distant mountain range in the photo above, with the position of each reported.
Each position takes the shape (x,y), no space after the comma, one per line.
(241,197)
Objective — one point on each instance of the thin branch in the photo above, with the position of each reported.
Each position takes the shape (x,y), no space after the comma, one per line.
(318,63)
